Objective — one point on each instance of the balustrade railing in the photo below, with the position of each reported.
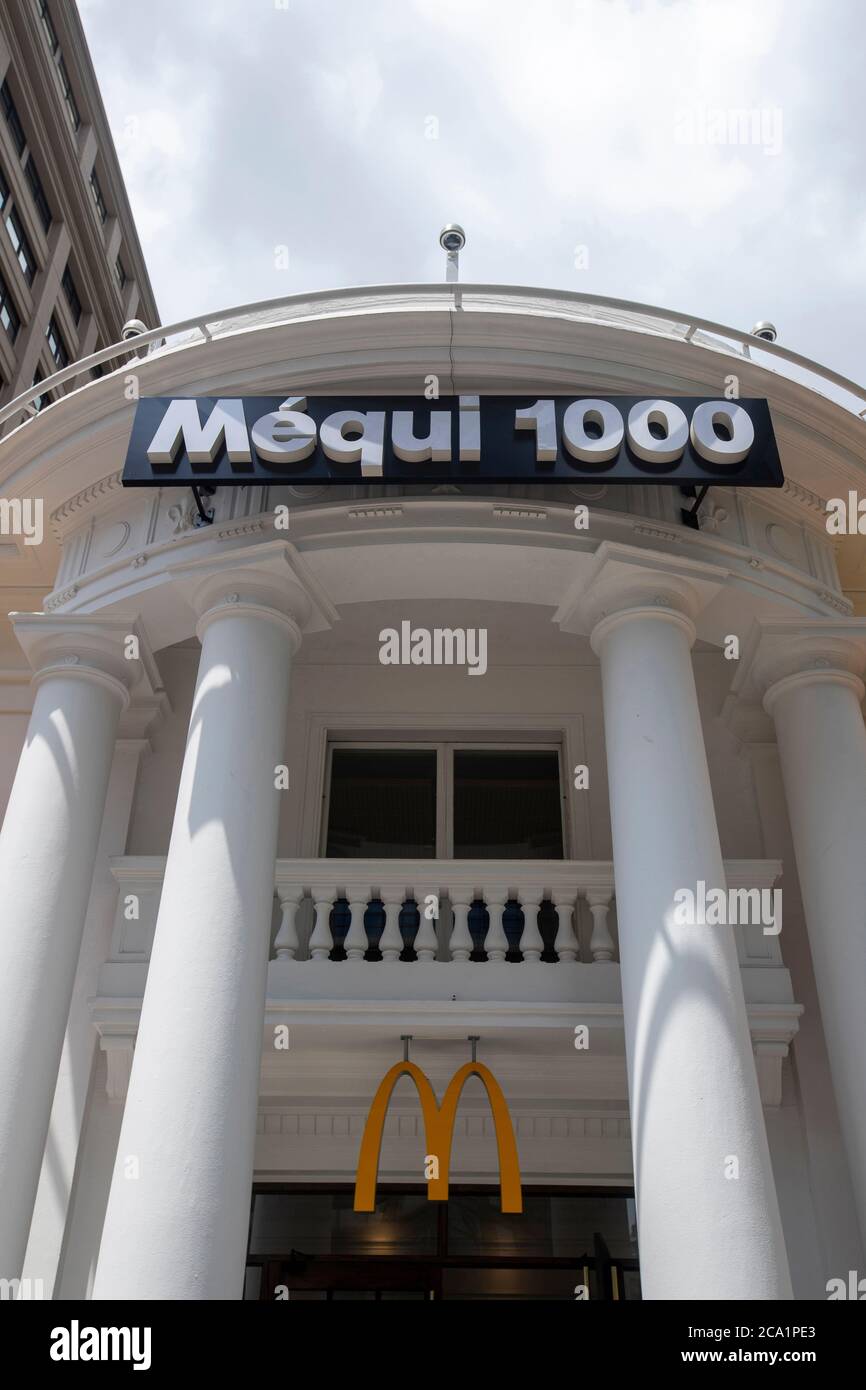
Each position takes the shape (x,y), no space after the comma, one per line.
(420,911)
(445,910)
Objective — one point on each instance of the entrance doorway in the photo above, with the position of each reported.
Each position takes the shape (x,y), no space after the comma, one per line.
(309,1244)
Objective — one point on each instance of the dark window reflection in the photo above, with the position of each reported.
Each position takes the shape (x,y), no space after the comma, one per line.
(382,804)
(506,805)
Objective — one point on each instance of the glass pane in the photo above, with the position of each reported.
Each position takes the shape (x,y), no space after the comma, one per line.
(564,1227)
(511,1283)
(382,804)
(506,805)
(313,1223)
(477,1226)
(577,1225)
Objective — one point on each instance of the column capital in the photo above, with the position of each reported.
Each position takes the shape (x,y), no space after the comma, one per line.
(269,581)
(626,582)
(791,652)
(96,647)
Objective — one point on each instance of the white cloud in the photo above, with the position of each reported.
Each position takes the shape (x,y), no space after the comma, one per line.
(557,127)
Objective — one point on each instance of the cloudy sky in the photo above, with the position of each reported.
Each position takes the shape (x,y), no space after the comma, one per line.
(704,155)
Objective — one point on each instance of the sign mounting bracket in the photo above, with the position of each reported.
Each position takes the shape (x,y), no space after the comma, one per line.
(690,515)
(205,514)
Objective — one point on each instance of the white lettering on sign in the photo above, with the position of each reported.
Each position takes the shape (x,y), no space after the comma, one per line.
(592,432)
(225,425)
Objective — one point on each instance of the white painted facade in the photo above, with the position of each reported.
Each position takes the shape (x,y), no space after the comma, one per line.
(151,1039)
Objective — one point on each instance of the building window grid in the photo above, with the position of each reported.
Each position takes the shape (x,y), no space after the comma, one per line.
(56,345)
(13,120)
(48,26)
(69,95)
(99,201)
(38,192)
(21,245)
(72,297)
(9,316)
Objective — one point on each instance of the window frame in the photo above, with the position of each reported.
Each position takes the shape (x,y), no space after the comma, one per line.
(7,302)
(54,329)
(37,191)
(48,27)
(13,119)
(68,91)
(445,749)
(23,252)
(98,197)
(66,288)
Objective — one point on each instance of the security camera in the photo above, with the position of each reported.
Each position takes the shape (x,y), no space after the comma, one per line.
(765,330)
(452,238)
(132,329)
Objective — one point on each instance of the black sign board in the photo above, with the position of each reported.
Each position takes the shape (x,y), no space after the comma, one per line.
(232,441)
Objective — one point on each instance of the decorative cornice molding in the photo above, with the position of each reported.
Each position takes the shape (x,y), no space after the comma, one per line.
(801,494)
(372,513)
(244,528)
(57,600)
(657,532)
(69,512)
(842,605)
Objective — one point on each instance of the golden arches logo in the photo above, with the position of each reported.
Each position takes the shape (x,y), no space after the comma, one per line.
(439,1131)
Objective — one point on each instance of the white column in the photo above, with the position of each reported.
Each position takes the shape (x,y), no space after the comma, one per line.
(47,853)
(178,1211)
(708,1217)
(815,704)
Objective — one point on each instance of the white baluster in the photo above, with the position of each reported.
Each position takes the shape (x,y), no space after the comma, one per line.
(531,940)
(391,940)
(321,941)
(426,941)
(566,944)
(356,942)
(286,941)
(601,944)
(496,942)
(461,944)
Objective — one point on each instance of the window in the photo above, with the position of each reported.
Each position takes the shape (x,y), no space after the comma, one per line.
(39,402)
(71,295)
(382,803)
(68,95)
(56,345)
(119,273)
(98,199)
(38,192)
(8,313)
(48,26)
(4,191)
(444,800)
(20,245)
(506,804)
(12,118)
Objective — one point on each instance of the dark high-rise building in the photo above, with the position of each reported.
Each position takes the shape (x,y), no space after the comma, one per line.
(71,266)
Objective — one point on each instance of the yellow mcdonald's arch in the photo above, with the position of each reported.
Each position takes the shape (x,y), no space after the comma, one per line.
(439,1130)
